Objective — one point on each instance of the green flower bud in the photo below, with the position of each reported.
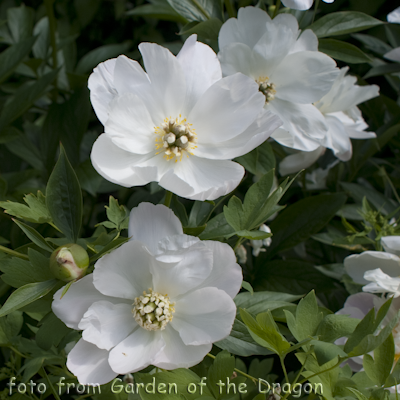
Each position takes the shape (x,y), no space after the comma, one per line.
(69,262)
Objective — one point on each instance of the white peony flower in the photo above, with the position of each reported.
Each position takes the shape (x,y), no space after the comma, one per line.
(357,306)
(344,121)
(394,16)
(160,299)
(301,4)
(381,283)
(290,71)
(178,123)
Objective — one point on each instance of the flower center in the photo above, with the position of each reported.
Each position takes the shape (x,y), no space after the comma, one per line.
(153,311)
(174,137)
(267,89)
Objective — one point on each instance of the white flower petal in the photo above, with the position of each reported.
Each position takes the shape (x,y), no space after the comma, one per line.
(358,305)
(137,351)
(79,297)
(236,30)
(357,264)
(381,283)
(106,324)
(201,179)
(391,244)
(130,126)
(226,109)
(129,76)
(149,223)
(304,77)
(259,131)
(298,4)
(90,364)
(204,316)
(393,55)
(177,354)
(167,79)
(102,89)
(174,279)
(303,122)
(307,41)
(394,16)
(298,161)
(226,274)
(338,139)
(201,68)
(124,272)
(115,164)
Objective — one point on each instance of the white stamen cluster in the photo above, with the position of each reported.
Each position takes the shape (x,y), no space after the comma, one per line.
(153,311)
(267,89)
(175,136)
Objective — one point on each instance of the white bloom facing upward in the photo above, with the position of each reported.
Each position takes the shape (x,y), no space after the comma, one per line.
(301,4)
(179,123)
(160,299)
(288,68)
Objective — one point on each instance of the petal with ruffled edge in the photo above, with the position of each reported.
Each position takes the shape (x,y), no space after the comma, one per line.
(105,324)
(204,316)
(303,122)
(124,272)
(304,77)
(167,81)
(357,264)
(237,30)
(80,296)
(201,179)
(226,274)
(381,283)
(149,223)
(177,354)
(298,4)
(226,109)
(338,139)
(201,68)
(298,161)
(391,244)
(130,126)
(195,265)
(102,88)
(137,351)
(90,364)
(115,164)
(258,132)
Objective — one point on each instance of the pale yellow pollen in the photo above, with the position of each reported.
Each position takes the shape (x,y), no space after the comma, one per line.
(174,137)
(153,311)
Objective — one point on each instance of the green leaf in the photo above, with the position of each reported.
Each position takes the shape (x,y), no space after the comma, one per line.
(240,342)
(372,43)
(199,213)
(382,70)
(42,32)
(357,393)
(109,247)
(64,198)
(221,369)
(197,10)
(343,51)
(24,97)
(10,327)
(259,161)
(335,326)
(115,213)
(102,53)
(253,235)
(51,331)
(303,219)
(20,22)
(159,9)
(394,377)
(326,352)
(341,23)
(216,228)
(14,55)
(208,29)
(35,211)
(27,294)
(194,231)
(35,236)
(248,287)
(378,368)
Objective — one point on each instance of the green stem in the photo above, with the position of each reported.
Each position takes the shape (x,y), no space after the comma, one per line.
(13,253)
(168,198)
(16,351)
(52,25)
(51,224)
(296,379)
(229,8)
(50,384)
(238,243)
(277,6)
(315,10)
(284,369)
